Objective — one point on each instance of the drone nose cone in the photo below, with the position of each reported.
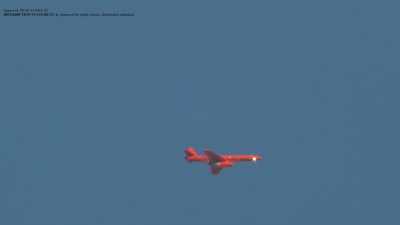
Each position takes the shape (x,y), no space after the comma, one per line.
(258,157)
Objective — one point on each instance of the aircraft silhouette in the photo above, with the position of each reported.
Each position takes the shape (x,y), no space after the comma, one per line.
(217,162)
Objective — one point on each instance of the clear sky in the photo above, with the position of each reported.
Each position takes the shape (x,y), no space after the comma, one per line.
(95,113)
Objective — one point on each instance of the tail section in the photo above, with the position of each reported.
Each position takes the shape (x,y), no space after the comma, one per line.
(190,154)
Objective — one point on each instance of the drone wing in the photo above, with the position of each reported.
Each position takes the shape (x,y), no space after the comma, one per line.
(215,169)
(213,157)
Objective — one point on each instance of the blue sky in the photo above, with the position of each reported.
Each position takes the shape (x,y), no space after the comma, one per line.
(96,113)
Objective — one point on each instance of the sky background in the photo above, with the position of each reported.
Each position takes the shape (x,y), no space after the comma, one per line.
(95,113)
